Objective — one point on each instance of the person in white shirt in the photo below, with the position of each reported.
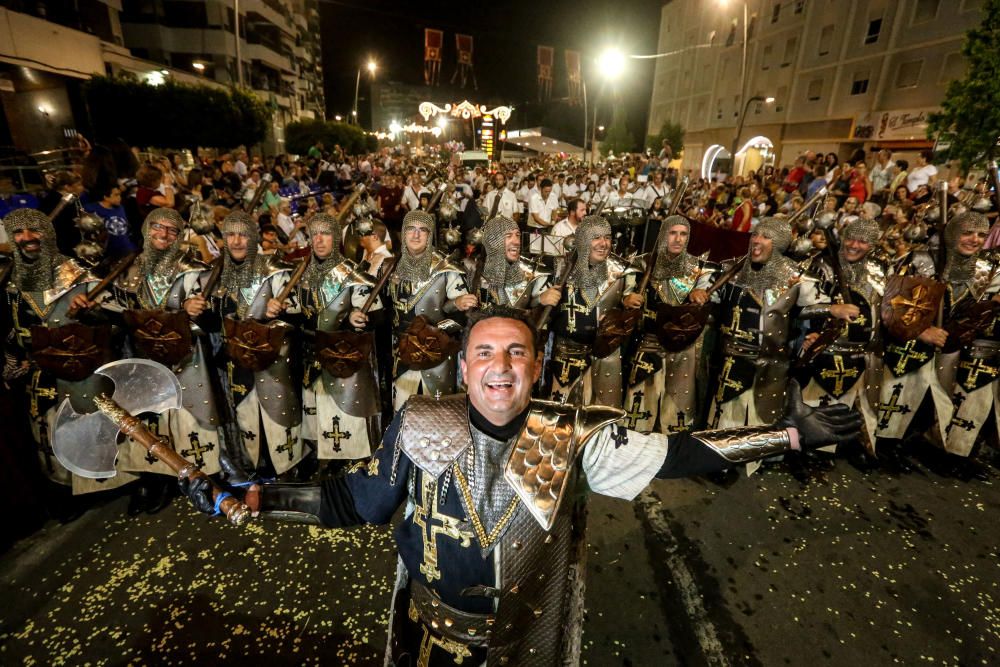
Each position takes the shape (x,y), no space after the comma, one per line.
(291,229)
(655,189)
(557,188)
(463,191)
(375,249)
(576,209)
(508,202)
(571,190)
(412,192)
(622,196)
(540,210)
(526,190)
(923,173)
(240,166)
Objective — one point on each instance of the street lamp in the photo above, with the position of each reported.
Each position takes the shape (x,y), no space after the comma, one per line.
(739,128)
(371,67)
(610,65)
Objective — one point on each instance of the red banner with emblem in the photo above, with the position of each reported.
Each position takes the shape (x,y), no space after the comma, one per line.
(573,77)
(433,41)
(546,58)
(464,71)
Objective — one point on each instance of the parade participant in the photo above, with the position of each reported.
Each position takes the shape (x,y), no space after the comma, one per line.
(848,371)
(504,586)
(576,210)
(758,307)
(508,206)
(508,278)
(970,377)
(426,289)
(677,278)
(340,408)
(540,210)
(162,297)
(255,367)
(655,189)
(599,281)
(372,242)
(48,354)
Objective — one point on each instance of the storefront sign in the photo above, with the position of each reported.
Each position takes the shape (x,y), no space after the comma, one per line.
(899,124)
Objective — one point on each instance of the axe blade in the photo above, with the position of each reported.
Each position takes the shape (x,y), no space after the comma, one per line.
(85,444)
(143,385)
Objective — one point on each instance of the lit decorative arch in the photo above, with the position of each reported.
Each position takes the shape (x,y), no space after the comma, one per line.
(465,110)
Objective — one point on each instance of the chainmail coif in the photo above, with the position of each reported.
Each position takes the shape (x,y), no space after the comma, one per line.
(33,276)
(858,230)
(161,263)
(416,268)
(773,272)
(667,265)
(239,274)
(323,223)
(958,267)
(496,269)
(589,278)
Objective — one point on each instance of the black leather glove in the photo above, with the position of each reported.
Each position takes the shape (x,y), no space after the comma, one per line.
(820,426)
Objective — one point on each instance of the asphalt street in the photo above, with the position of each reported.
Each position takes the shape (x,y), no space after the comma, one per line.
(811,562)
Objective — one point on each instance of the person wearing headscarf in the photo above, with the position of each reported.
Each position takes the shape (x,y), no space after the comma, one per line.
(427,290)
(598,282)
(755,322)
(265,435)
(340,408)
(652,403)
(161,296)
(849,370)
(43,286)
(509,278)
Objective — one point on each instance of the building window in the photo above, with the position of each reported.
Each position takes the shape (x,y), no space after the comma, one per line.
(815,90)
(953,68)
(859,85)
(765,60)
(776,12)
(752,26)
(799,6)
(826,40)
(908,74)
(874,29)
(925,10)
(779,98)
(731,39)
(790,46)
(718,109)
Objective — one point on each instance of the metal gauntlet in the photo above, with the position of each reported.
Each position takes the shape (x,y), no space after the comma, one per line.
(297,503)
(815,311)
(746,443)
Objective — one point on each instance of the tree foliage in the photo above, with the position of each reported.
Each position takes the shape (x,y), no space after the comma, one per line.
(971,108)
(174,115)
(300,135)
(618,140)
(674,135)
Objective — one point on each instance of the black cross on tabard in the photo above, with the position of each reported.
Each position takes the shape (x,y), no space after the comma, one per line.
(967,424)
(248,435)
(635,414)
(288,445)
(308,410)
(681,424)
(336,434)
(153,424)
(886,410)
(197,450)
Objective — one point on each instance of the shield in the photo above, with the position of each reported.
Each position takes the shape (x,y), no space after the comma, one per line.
(910,305)
(424,345)
(160,335)
(678,327)
(342,353)
(251,344)
(969,320)
(615,328)
(70,352)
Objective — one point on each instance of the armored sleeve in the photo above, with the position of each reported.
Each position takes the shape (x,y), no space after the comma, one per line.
(278,282)
(372,490)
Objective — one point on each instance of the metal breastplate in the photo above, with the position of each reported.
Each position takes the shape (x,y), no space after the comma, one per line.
(426,298)
(755,327)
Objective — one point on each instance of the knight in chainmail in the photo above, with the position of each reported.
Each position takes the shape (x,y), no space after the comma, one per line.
(758,307)
(491,547)
(508,277)
(849,369)
(263,432)
(598,282)
(961,384)
(161,296)
(678,278)
(42,287)
(427,289)
(340,395)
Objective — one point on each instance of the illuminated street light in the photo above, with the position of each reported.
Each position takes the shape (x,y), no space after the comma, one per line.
(739,127)
(442,122)
(371,67)
(338,118)
(611,64)
(198,66)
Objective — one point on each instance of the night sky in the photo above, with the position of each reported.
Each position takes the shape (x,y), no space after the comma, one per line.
(506,36)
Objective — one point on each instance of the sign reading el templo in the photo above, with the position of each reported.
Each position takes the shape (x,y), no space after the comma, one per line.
(899,124)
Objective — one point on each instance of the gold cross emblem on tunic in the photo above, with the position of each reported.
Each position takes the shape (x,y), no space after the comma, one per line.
(838,372)
(975,367)
(734,329)
(424,514)
(907,353)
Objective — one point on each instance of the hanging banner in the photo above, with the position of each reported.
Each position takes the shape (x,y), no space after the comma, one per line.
(433,41)
(487,144)
(546,56)
(573,76)
(464,71)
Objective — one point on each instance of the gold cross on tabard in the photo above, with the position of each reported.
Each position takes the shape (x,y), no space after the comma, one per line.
(839,373)
(725,381)
(681,424)
(916,305)
(572,308)
(566,364)
(975,367)
(886,410)
(907,353)
(734,327)
(635,415)
(233,387)
(424,515)
(967,424)
(640,365)
(288,445)
(197,450)
(336,435)
(39,392)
